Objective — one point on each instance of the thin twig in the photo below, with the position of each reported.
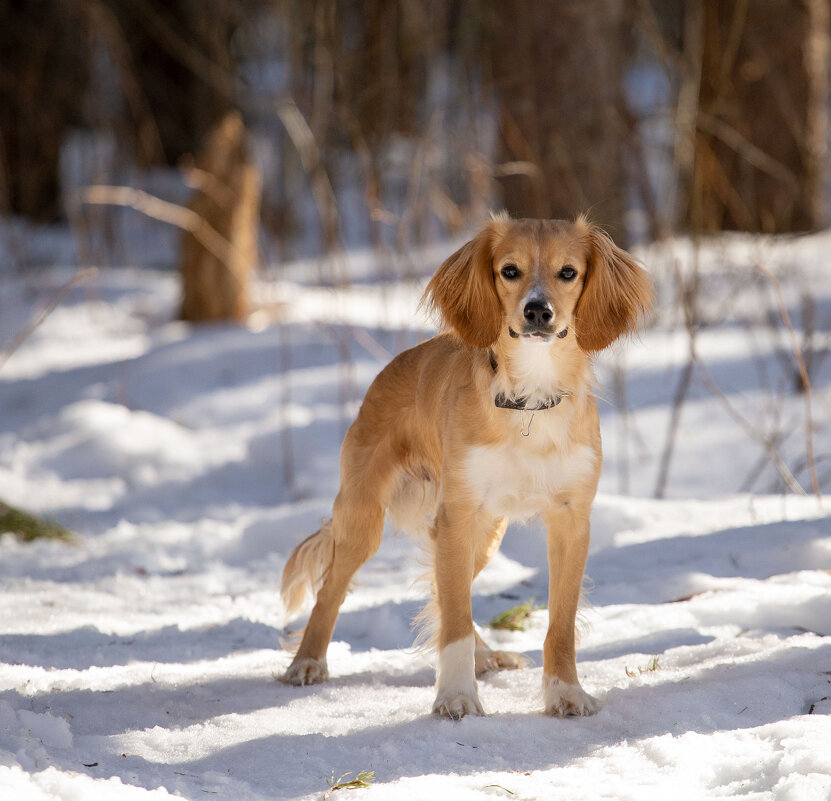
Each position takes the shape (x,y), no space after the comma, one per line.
(619,388)
(803,372)
(688,293)
(78,278)
(672,429)
(769,444)
(323,193)
(285,393)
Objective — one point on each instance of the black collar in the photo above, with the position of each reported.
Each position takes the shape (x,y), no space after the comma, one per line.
(504,402)
(521,404)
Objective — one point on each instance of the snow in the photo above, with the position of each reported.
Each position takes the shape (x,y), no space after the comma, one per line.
(141,662)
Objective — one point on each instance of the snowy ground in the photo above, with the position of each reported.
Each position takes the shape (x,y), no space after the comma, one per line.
(140,663)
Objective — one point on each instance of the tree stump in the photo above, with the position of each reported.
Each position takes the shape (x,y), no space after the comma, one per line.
(219,251)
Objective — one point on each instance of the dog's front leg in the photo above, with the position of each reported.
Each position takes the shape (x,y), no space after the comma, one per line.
(568,547)
(456,693)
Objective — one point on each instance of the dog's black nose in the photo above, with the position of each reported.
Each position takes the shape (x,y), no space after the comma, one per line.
(538,313)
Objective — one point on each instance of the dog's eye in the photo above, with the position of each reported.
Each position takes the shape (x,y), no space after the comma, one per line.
(568,273)
(510,272)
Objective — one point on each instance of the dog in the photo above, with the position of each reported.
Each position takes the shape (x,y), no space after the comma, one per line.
(491,421)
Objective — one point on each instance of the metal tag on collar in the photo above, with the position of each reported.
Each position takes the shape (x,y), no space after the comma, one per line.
(525,431)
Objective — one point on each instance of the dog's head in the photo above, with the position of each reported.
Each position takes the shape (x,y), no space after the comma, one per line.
(537,278)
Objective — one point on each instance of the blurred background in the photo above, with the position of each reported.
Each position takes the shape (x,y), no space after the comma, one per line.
(388,124)
(244,142)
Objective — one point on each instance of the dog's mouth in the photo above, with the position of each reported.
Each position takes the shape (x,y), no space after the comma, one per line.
(538,334)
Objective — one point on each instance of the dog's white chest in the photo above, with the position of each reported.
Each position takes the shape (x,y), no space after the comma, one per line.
(513,482)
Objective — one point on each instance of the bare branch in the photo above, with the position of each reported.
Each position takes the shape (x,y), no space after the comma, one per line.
(158,209)
(746,149)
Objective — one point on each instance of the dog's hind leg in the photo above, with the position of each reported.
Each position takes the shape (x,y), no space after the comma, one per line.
(356,529)
(486,659)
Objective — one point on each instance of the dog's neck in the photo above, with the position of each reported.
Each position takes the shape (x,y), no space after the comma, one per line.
(521,403)
(534,376)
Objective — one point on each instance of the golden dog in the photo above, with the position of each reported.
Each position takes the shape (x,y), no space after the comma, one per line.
(492,421)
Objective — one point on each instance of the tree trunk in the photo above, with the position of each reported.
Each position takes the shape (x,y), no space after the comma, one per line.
(45,69)
(218,255)
(761,124)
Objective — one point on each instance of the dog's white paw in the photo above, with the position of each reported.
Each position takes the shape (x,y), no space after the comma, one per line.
(457,705)
(306,671)
(567,700)
(456,693)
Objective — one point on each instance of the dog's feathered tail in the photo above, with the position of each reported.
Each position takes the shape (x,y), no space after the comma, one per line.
(306,568)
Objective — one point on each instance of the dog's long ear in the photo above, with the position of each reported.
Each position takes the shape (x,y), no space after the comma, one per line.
(463,292)
(616,294)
